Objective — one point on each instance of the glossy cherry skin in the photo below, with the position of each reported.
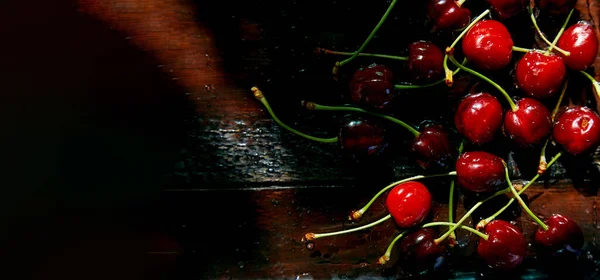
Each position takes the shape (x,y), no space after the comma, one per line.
(577,130)
(581,41)
(432,146)
(539,75)
(362,137)
(505,248)
(562,233)
(488,45)
(425,62)
(505,9)
(530,124)
(372,86)
(478,117)
(409,203)
(419,251)
(480,171)
(447,15)
(556,7)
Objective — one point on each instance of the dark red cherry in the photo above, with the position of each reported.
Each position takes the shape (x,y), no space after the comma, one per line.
(505,248)
(362,137)
(562,233)
(505,9)
(581,42)
(432,146)
(425,62)
(577,130)
(419,251)
(540,75)
(529,124)
(480,171)
(556,7)
(372,86)
(478,117)
(448,15)
(409,203)
(488,45)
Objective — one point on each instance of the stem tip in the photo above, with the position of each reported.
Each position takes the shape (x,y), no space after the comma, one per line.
(383,260)
(309,237)
(355,215)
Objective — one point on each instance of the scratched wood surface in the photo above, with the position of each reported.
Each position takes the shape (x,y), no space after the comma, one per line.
(130,131)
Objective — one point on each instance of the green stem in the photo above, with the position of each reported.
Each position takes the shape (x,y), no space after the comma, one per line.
(431,84)
(451,195)
(357,214)
(595,83)
(521,202)
(560,32)
(539,31)
(518,49)
(388,252)
(313,236)
(478,233)
(460,2)
(394,57)
(512,104)
(362,47)
(560,98)
(259,95)
(319,107)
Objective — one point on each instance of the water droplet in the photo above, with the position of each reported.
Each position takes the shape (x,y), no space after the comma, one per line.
(207,87)
(310,246)
(241,264)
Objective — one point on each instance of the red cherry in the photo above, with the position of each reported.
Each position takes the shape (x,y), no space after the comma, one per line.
(419,250)
(425,62)
(505,248)
(432,146)
(530,124)
(505,9)
(478,117)
(372,86)
(540,75)
(448,15)
(488,45)
(362,138)
(577,130)
(480,171)
(409,203)
(581,42)
(562,233)
(556,7)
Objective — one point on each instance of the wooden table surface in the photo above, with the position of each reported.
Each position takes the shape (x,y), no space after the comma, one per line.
(133,148)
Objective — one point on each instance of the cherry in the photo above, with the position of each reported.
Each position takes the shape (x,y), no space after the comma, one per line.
(425,62)
(361,137)
(529,124)
(478,117)
(556,7)
(480,171)
(488,45)
(562,233)
(372,86)
(448,14)
(540,75)
(505,9)
(419,250)
(577,130)
(505,247)
(409,203)
(581,42)
(432,146)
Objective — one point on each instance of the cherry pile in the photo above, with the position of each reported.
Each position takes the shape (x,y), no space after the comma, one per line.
(485,45)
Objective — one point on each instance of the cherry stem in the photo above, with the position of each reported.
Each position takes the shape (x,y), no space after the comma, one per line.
(595,83)
(512,104)
(259,95)
(450,49)
(460,2)
(326,51)
(358,213)
(388,253)
(431,84)
(560,98)
(518,49)
(362,47)
(313,236)
(492,217)
(478,233)
(539,31)
(521,202)
(319,107)
(451,196)
(560,32)
(543,165)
